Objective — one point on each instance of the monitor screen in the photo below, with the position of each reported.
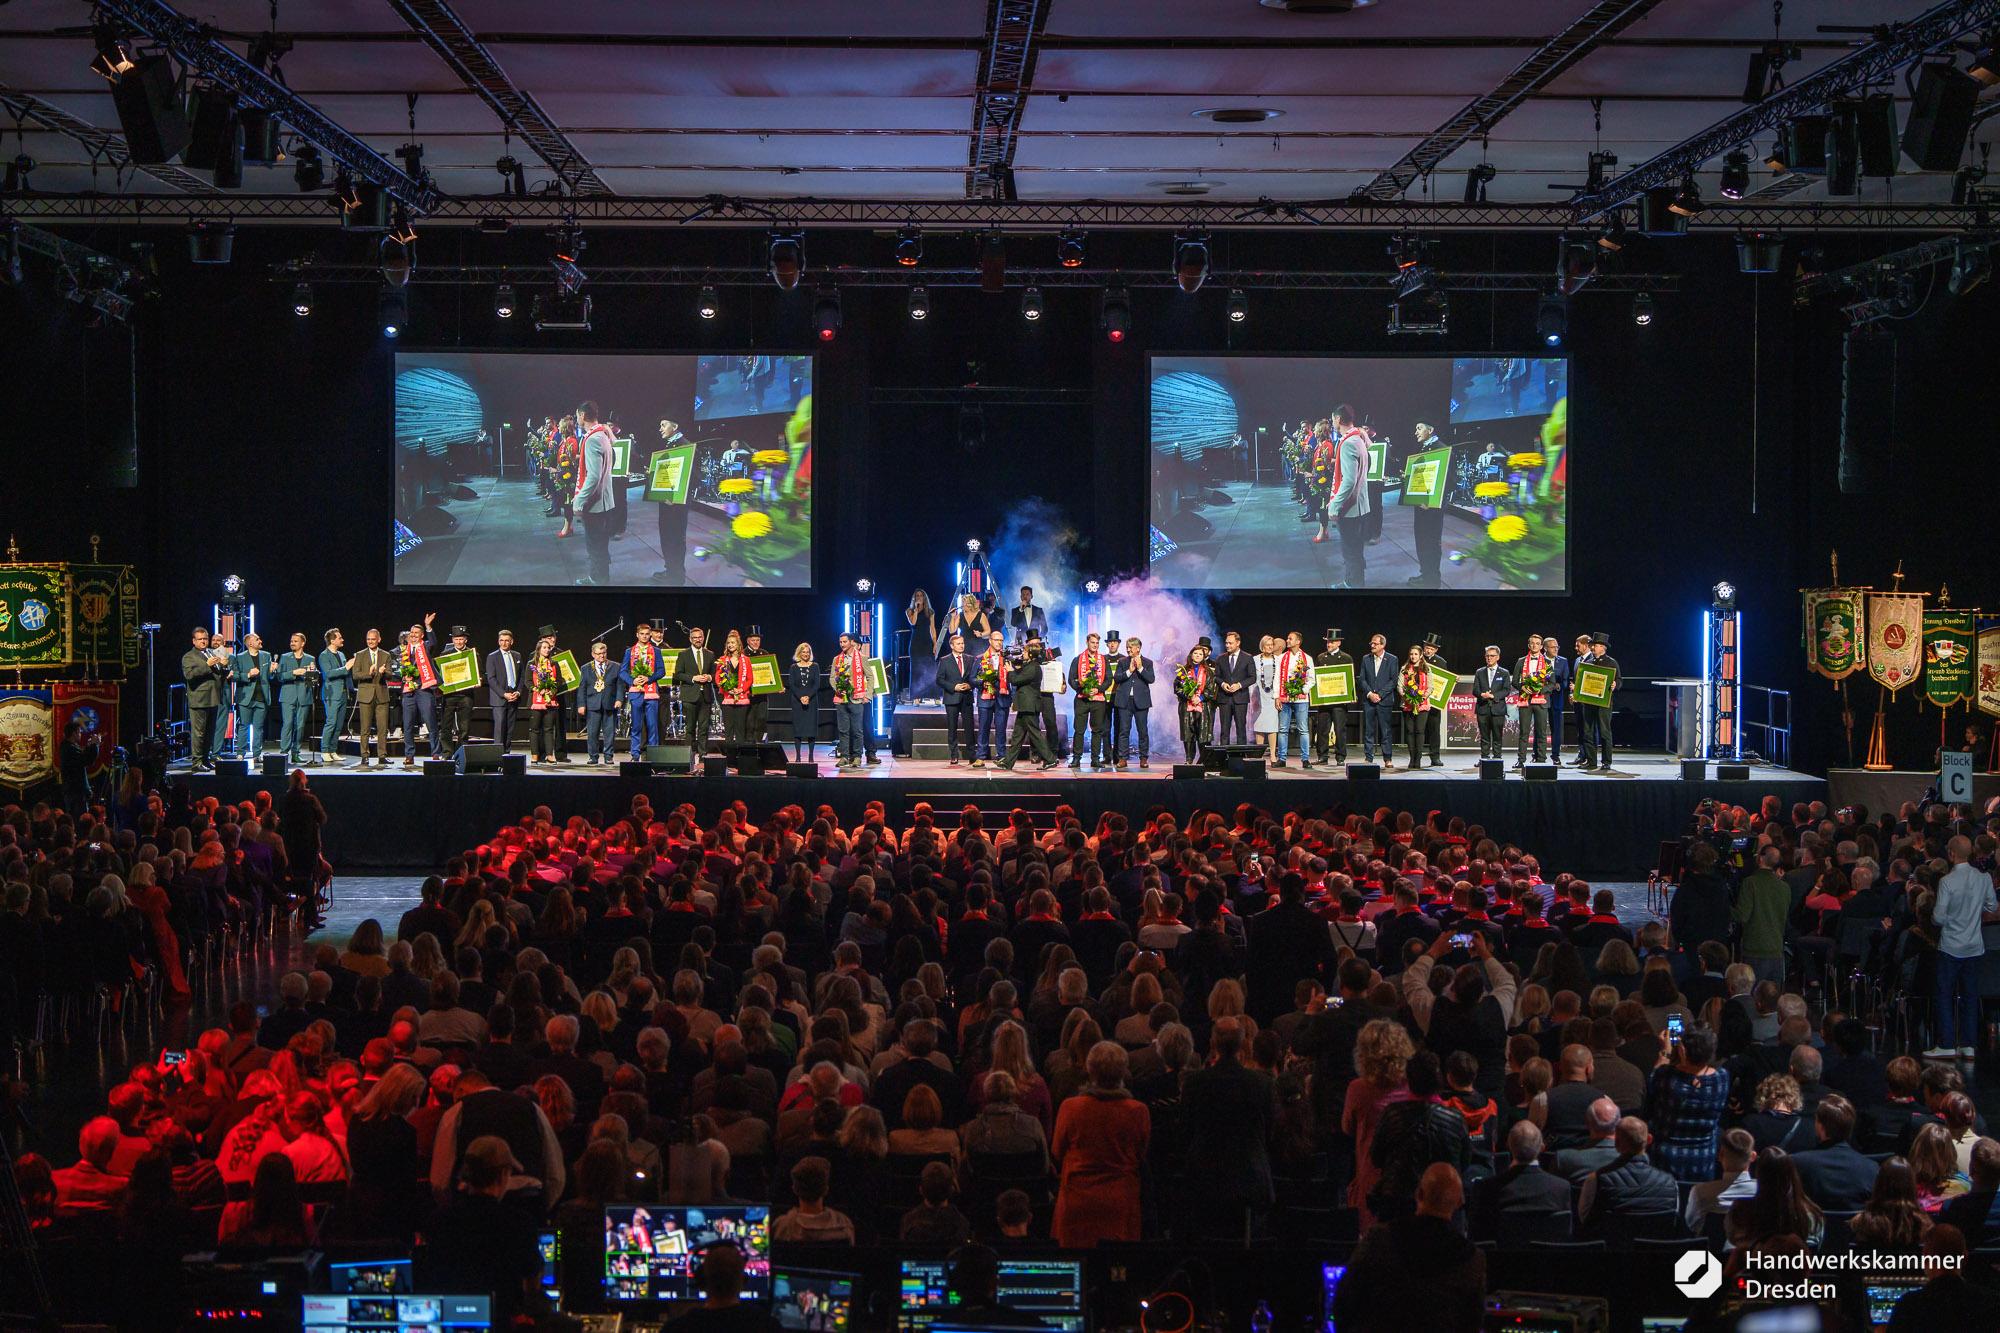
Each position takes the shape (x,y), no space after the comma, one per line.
(371,1277)
(1662,1323)
(1048,1287)
(550,1244)
(806,1298)
(1883,1296)
(397,1314)
(654,1253)
(1330,1275)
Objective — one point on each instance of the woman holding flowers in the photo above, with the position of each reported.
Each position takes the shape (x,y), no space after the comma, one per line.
(1413,694)
(732,687)
(1194,693)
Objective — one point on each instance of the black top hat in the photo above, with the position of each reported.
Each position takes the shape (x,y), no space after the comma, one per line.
(659,624)
(1203,642)
(546,632)
(459,632)
(1432,641)
(1334,636)
(1604,639)
(754,632)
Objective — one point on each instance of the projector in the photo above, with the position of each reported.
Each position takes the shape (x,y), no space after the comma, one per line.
(560,311)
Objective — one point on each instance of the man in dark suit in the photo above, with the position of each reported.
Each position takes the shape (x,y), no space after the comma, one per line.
(1404,922)
(1090,681)
(1559,673)
(1287,943)
(955,680)
(1521,1192)
(895,1083)
(1234,670)
(1375,678)
(1329,721)
(455,709)
(694,673)
(1226,1113)
(203,669)
(251,672)
(1597,717)
(1027,621)
(1490,686)
(503,688)
(1834,1175)
(1026,680)
(601,690)
(1132,702)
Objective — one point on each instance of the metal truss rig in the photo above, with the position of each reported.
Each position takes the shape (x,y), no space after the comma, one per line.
(1006,72)
(1872,274)
(970,214)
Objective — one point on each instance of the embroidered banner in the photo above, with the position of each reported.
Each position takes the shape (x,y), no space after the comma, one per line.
(1948,656)
(95,704)
(1895,622)
(104,617)
(1987,691)
(34,631)
(1833,631)
(27,737)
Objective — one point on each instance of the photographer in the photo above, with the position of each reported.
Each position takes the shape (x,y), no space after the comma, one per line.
(1032,709)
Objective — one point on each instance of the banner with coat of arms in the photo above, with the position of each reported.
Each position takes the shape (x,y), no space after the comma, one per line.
(95,703)
(34,632)
(27,738)
(1895,623)
(1986,692)
(1949,646)
(1834,639)
(104,617)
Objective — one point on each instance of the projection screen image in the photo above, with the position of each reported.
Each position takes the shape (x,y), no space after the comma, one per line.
(1446,473)
(711,475)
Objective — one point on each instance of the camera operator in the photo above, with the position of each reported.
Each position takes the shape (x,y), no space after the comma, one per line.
(1033,710)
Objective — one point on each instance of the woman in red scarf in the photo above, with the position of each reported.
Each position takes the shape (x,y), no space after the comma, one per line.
(732,686)
(1413,692)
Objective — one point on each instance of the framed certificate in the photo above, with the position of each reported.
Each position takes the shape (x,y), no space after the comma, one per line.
(669,658)
(877,672)
(567,668)
(458,672)
(765,675)
(1378,462)
(1442,683)
(1053,679)
(1592,684)
(1424,478)
(621,456)
(668,474)
(1334,684)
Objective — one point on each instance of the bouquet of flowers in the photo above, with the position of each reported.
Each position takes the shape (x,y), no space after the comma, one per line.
(1093,675)
(1293,687)
(989,674)
(642,666)
(1534,680)
(1526,516)
(844,684)
(1190,684)
(728,675)
(406,667)
(1413,689)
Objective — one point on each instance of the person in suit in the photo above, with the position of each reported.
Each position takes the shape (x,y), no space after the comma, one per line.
(1582,656)
(955,683)
(336,694)
(1348,505)
(1287,943)
(455,709)
(1533,678)
(673,525)
(1523,1191)
(1558,694)
(1226,1114)
(1026,679)
(754,724)
(250,671)
(1835,1175)
(503,688)
(802,682)
(1234,671)
(1490,684)
(597,492)
(203,668)
(1027,621)
(641,669)
(1375,677)
(1427,523)
(1090,677)
(295,672)
(1329,721)
(1597,717)
(370,669)
(602,692)
(694,675)
(420,695)
(992,698)
(1433,720)
(1132,703)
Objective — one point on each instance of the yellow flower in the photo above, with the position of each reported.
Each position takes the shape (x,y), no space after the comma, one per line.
(753,525)
(770,458)
(735,486)
(1506,528)
(1526,460)
(1490,490)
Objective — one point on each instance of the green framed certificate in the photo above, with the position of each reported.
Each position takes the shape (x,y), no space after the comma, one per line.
(766,677)
(877,672)
(567,668)
(668,474)
(1378,462)
(1593,684)
(1424,477)
(1334,684)
(621,456)
(1442,683)
(458,672)
(669,659)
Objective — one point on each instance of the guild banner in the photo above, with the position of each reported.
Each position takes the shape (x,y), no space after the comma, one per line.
(27,738)
(1895,638)
(34,631)
(1835,644)
(1987,694)
(104,617)
(1948,656)
(95,704)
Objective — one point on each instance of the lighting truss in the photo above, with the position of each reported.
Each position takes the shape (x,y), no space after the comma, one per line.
(102,145)
(1006,70)
(116,273)
(1870,276)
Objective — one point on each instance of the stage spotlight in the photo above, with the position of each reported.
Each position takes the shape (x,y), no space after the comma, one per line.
(1687,200)
(1191,261)
(1552,320)
(1724,594)
(393,305)
(302,300)
(706,305)
(993,262)
(503,301)
(972,545)
(569,250)
(1611,236)
(1092,587)
(1239,306)
(513,177)
(398,260)
(1642,309)
(1658,214)
(1070,248)
(909,247)
(232,584)
(1117,314)
(1031,304)
(788,259)
(113,60)
(826,314)
(864,586)
(1759,252)
(1476,181)
(211,242)
(1736,175)
(920,303)
(1971,266)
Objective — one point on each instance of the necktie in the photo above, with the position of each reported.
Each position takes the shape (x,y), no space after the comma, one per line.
(959,662)
(507,659)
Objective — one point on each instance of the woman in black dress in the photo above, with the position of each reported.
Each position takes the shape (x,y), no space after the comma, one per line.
(802,682)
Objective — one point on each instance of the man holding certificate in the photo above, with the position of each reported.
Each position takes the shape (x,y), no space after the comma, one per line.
(1595,683)
(1329,720)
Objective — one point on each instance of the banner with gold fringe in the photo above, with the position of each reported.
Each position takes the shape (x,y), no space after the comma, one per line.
(1986,692)
(1834,640)
(1949,647)
(27,738)
(1895,622)
(95,704)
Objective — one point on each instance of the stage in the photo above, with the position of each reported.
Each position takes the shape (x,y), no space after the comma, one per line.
(1605,826)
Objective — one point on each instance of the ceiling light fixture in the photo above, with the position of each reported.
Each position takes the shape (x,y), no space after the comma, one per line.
(788,259)
(1031,304)
(706,305)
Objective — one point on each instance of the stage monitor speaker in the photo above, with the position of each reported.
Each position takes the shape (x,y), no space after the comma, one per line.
(1363,772)
(673,757)
(801,770)
(477,757)
(433,520)
(715,765)
(1249,766)
(275,766)
(1540,772)
(1940,117)
(1843,151)
(232,768)
(437,766)
(1694,770)
(514,764)
(1185,771)
(635,768)
(150,112)
(1493,770)
(1732,772)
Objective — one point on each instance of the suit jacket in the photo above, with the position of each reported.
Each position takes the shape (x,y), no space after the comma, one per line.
(1836,1177)
(1026,680)
(336,682)
(1558,677)
(1518,1191)
(610,697)
(204,679)
(496,677)
(252,691)
(1500,682)
(1132,687)
(372,669)
(1351,499)
(1242,673)
(686,669)
(296,689)
(951,672)
(1020,624)
(1378,678)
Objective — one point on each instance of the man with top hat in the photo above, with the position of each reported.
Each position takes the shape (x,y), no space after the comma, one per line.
(420,682)
(1433,719)
(1329,721)
(504,688)
(1597,717)
(753,721)
(642,668)
(455,709)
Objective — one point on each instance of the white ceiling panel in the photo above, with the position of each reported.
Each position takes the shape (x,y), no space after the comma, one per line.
(776,152)
(741,71)
(1217,19)
(1254,73)
(591,110)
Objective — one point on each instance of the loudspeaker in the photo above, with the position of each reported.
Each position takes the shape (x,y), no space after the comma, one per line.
(215,142)
(514,765)
(437,766)
(673,757)
(1493,770)
(1656,217)
(232,768)
(275,766)
(1843,151)
(715,765)
(1940,117)
(1364,772)
(1732,772)
(1248,767)
(801,770)
(1184,771)
(150,112)
(1694,770)
(1801,146)
(1540,772)
(477,757)
(746,757)
(1875,127)
(634,768)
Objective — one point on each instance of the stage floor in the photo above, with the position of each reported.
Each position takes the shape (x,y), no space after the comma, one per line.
(1602,825)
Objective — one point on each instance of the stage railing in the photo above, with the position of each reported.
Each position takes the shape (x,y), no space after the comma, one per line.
(1775,728)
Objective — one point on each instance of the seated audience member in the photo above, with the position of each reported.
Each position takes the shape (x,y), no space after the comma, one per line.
(811,1221)
(1976,1213)
(722,1308)
(481,1242)
(1524,1190)
(935,1220)
(1599,1147)
(1714,1198)
(90,1186)
(1834,1174)
(1418,1271)
(1623,1192)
